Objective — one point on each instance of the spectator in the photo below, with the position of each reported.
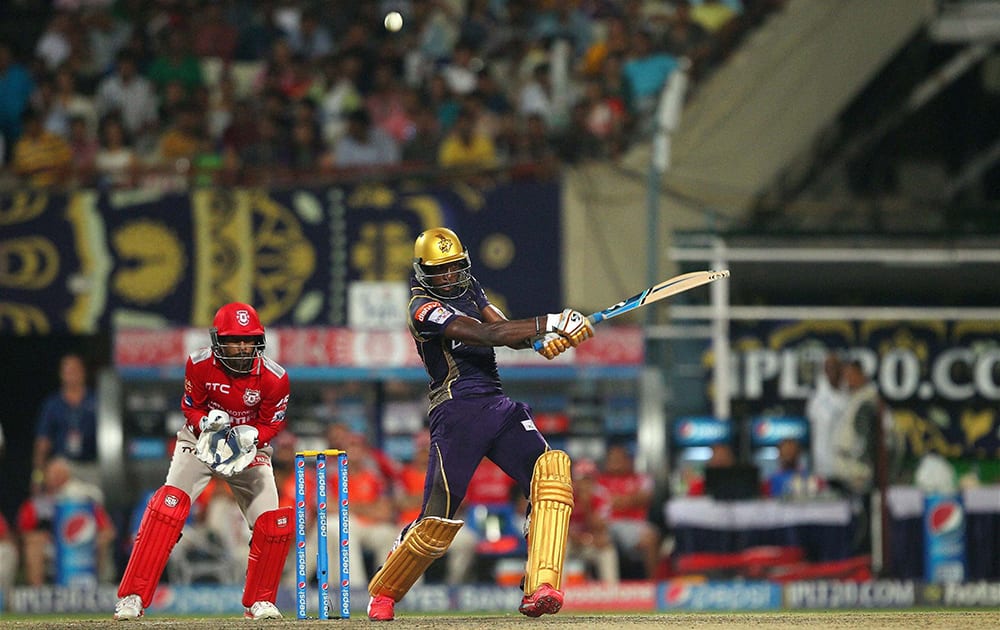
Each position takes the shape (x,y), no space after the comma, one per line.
(107,35)
(129,94)
(564,21)
(256,40)
(645,71)
(69,99)
(312,39)
(36,519)
(341,97)
(854,435)
(40,157)
(855,448)
(176,63)
(438,96)
(389,103)
(422,147)
(16,87)
(713,15)
(792,479)
(67,424)
(364,144)
(589,535)
(824,407)
(722,456)
(84,148)
(185,139)
(631,493)
(116,161)
(465,146)
(54,46)
(307,148)
(687,38)
(461,72)
(8,555)
(214,35)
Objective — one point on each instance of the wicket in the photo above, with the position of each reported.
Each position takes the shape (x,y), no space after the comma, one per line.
(322,568)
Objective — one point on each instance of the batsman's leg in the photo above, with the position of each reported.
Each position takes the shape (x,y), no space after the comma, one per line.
(424,542)
(159,531)
(551,506)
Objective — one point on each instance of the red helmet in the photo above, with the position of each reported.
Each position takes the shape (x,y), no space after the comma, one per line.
(233,323)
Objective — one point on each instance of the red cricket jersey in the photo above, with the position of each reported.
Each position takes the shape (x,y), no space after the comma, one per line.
(258,398)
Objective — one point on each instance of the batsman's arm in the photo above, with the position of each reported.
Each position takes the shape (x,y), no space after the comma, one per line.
(569,328)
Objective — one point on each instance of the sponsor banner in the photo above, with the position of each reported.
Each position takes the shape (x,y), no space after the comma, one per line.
(969,594)
(344,347)
(85,260)
(688,595)
(624,596)
(940,379)
(846,595)
(61,599)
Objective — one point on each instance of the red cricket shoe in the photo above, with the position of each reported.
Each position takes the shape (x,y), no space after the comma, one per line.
(380,608)
(544,601)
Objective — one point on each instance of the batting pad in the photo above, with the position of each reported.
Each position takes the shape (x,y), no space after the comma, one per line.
(551,506)
(159,531)
(269,544)
(424,543)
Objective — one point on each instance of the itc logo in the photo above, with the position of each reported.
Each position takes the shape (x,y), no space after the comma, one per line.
(217,387)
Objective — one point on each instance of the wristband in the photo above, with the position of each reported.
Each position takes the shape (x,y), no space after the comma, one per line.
(538,329)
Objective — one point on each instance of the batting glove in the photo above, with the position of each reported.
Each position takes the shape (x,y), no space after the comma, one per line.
(571,324)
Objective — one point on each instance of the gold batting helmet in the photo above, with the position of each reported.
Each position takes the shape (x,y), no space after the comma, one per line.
(441,264)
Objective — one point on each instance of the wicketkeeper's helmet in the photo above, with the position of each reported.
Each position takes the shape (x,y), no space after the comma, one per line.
(441,264)
(232,322)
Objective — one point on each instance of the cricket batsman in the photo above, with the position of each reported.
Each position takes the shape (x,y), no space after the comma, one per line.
(234,402)
(456,329)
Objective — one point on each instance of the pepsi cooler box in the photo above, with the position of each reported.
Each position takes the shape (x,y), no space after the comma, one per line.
(771,430)
(701,431)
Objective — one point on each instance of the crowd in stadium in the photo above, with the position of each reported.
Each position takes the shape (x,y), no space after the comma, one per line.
(106,91)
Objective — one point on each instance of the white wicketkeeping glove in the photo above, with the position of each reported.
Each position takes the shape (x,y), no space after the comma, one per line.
(571,324)
(215,420)
(228,451)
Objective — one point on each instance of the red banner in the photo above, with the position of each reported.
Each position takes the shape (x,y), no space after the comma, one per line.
(344,347)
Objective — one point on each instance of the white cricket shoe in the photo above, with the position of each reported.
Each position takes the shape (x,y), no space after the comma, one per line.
(128,607)
(262,610)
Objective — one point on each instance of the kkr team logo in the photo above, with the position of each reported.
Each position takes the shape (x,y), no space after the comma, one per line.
(251,397)
(444,244)
(243,317)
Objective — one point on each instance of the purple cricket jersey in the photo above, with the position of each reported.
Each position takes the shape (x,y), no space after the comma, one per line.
(470,415)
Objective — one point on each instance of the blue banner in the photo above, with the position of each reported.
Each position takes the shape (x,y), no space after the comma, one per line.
(79,263)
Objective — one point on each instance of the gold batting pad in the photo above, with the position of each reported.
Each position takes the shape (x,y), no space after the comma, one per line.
(424,543)
(551,506)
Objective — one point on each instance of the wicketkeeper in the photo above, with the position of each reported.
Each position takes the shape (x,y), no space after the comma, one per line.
(456,328)
(234,402)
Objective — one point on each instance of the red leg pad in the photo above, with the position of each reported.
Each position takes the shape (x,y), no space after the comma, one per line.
(269,545)
(159,531)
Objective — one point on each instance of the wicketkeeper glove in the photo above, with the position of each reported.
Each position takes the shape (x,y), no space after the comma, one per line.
(228,451)
(215,420)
